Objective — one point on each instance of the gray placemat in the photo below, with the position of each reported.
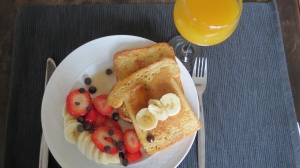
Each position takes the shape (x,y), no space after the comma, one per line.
(249,111)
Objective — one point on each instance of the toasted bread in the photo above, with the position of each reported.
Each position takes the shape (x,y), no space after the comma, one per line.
(152,82)
(129,61)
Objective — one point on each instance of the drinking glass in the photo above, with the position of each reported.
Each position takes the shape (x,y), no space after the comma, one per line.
(203,23)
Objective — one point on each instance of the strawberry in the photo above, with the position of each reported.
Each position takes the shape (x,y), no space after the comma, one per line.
(131,157)
(94,118)
(104,141)
(100,103)
(91,116)
(77,101)
(131,141)
(101,119)
(112,123)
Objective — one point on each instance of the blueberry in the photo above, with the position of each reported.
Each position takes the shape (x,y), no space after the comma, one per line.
(111,132)
(120,143)
(86,126)
(80,128)
(80,119)
(89,108)
(108,71)
(107,149)
(87,81)
(115,116)
(81,90)
(92,89)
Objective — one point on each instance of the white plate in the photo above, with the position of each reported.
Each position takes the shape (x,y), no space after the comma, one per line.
(87,60)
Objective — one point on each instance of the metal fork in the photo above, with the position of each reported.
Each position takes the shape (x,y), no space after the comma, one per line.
(199,77)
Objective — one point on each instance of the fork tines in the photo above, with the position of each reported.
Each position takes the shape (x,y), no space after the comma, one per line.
(199,67)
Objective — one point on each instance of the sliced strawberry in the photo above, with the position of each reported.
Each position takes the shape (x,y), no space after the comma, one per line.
(77,102)
(94,118)
(112,123)
(101,119)
(91,116)
(104,141)
(131,157)
(100,103)
(131,141)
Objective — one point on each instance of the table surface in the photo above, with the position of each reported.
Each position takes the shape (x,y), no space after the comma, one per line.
(289,19)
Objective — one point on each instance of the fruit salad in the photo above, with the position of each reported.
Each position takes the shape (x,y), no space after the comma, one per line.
(91,124)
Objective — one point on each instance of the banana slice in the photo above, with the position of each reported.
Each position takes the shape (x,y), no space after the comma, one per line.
(67,117)
(64,112)
(154,101)
(89,150)
(146,120)
(108,158)
(83,140)
(155,108)
(170,103)
(71,132)
(68,121)
(97,155)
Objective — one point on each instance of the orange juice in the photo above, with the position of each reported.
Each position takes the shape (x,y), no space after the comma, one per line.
(207,22)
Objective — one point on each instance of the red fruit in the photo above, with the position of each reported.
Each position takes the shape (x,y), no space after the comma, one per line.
(77,102)
(131,141)
(100,103)
(91,116)
(131,157)
(103,140)
(101,120)
(112,123)
(94,118)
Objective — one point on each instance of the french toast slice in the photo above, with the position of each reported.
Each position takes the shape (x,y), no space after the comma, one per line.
(152,82)
(129,61)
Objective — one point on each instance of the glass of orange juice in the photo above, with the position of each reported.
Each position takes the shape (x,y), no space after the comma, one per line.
(203,23)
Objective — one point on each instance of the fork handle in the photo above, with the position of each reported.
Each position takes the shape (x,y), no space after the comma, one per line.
(201,137)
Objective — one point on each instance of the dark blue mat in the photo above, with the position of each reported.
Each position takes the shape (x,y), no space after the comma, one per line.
(249,111)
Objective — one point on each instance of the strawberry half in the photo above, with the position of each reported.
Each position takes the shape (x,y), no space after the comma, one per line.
(131,141)
(77,102)
(100,103)
(94,118)
(131,157)
(104,141)
(111,123)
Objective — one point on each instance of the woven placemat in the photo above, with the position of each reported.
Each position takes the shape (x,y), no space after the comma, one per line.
(249,112)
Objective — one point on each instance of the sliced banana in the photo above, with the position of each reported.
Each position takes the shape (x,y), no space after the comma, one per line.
(154,101)
(89,149)
(68,121)
(83,140)
(71,132)
(64,112)
(67,118)
(154,107)
(146,120)
(97,155)
(170,103)
(108,158)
